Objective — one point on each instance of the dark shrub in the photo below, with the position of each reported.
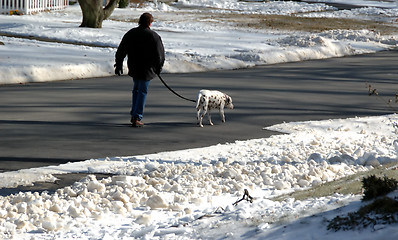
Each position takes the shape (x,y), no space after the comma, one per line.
(123,3)
(381,211)
(375,187)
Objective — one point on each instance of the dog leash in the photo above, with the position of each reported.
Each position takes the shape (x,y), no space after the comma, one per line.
(171,90)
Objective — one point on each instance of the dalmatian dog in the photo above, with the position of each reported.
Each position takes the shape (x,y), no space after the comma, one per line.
(210,99)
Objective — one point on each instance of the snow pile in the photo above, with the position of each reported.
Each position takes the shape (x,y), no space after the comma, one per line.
(338,142)
(154,192)
(365,13)
(370,3)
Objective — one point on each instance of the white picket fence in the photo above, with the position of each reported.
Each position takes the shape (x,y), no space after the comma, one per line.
(30,6)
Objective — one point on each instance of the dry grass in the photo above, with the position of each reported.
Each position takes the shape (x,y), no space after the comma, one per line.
(348,185)
(307,24)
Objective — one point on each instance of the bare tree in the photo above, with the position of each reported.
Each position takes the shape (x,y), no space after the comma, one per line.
(94,13)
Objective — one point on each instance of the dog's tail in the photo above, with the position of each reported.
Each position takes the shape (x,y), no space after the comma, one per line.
(200,96)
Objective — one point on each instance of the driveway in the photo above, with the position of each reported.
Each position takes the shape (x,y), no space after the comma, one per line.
(66,121)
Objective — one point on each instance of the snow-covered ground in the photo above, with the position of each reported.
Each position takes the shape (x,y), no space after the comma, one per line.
(196,36)
(189,194)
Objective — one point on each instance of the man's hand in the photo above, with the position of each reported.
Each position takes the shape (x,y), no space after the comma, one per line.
(118,70)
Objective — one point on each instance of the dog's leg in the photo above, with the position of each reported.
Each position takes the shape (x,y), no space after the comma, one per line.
(222,114)
(199,117)
(209,117)
(202,115)
(201,105)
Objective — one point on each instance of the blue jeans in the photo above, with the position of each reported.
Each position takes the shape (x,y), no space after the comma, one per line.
(139,93)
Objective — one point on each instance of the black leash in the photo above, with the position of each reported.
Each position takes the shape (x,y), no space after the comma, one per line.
(164,83)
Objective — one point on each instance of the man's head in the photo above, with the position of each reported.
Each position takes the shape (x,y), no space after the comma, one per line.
(146,20)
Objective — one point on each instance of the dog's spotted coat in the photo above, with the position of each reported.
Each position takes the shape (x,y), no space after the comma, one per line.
(208,100)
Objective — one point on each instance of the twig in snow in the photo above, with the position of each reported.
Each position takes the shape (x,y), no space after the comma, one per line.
(246,197)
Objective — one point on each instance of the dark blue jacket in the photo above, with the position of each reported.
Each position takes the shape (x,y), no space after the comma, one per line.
(145,53)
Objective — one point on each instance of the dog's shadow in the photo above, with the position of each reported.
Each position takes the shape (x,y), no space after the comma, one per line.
(171,124)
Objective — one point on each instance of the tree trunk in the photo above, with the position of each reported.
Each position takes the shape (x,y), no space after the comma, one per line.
(94,13)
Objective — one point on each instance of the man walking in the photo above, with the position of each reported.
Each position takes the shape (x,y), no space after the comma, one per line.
(145,59)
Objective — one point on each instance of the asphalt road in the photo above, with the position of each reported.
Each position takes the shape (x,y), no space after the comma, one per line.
(58,122)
